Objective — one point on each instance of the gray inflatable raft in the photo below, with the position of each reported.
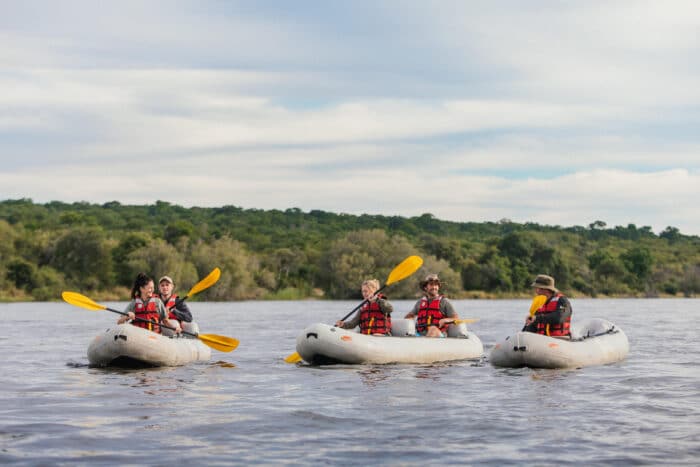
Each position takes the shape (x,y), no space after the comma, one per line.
(322,344)
(126,345)
(596,342)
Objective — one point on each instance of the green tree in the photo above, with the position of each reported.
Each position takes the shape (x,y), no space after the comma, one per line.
(178,229)
(638,261)
(160,258)
(361,255)
(238,269)
(131,242)
(22,274)
(84,257)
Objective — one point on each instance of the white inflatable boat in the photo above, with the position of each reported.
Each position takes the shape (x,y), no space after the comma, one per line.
(126,345)
(322,344)
(596,342)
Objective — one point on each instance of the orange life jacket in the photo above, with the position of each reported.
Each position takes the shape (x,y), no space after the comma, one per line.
(372,320)
(147,311)
(429,314)
(557,329)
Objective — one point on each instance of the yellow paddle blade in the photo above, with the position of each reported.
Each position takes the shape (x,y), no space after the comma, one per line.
(220,343)
(206,282)
(466,320)
(74,298)
(293,358)
(537,303)
(404,269)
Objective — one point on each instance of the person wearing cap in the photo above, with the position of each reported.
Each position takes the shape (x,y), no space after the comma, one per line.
(144,305)
(178,311)
(433,313)
(375,314)
(554,317)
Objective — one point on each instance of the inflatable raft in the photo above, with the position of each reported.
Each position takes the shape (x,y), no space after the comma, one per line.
(126,345)
(597,342)
(322,344)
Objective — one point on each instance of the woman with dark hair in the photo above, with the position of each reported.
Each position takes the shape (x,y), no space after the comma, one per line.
(144,305)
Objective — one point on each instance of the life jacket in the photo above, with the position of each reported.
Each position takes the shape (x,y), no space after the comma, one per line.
(170,305)
(372,320)
(429,314)
(555,330)
(147,311)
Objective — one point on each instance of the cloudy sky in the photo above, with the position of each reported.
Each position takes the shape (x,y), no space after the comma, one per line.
(560,113)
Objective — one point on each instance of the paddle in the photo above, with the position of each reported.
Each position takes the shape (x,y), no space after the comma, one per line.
(204,284)
(400,272)
(536,304)
(221,343)
(466,320)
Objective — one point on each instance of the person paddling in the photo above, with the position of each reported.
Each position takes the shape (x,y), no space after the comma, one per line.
(554,317)
(375,315)
(433,313)
(178,312)
(144,305)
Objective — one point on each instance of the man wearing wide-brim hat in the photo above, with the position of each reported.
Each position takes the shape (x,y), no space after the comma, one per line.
(553,318)
(433,313)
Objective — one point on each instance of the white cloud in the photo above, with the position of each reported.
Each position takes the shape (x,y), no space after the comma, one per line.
(469,111)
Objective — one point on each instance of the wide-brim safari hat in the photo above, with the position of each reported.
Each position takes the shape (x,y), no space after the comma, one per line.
(430,278)
(543,281)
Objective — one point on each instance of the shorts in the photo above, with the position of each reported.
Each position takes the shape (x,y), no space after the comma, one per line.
(418,334)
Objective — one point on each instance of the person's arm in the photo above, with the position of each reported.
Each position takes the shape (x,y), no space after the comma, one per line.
(355,321)
(182,312)
(448,311)
(385,306)
(414,312)
(130,310)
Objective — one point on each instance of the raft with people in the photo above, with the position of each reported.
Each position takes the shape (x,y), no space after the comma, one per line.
(150,339)
(595,342)
(125,345)
(323,344)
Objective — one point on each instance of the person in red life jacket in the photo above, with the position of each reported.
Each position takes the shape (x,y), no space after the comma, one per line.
(433,313)
(375,315)
(178,312)
(144,305)
(554,317)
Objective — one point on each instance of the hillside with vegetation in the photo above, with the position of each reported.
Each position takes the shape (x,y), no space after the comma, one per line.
(271,254)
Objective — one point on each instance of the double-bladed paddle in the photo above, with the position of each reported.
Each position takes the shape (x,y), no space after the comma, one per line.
(400,272)
(221,343)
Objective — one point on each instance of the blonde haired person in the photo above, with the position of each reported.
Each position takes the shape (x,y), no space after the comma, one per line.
(375,314)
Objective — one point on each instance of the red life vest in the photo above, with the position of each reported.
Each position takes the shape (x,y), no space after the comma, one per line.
(558,329)
(372,320)
(429,314)
(170,305)
(147,311)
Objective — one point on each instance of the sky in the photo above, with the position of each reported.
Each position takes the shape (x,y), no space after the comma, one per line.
(559,113)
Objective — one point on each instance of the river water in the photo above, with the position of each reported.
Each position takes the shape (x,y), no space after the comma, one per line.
(248,407)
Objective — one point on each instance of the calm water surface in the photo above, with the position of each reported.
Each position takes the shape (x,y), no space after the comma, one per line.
(249,407)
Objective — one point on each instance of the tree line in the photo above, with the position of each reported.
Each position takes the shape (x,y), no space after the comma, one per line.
(272,254)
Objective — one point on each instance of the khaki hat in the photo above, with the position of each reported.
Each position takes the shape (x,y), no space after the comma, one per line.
(430,278)
(543,281)
(166,278)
